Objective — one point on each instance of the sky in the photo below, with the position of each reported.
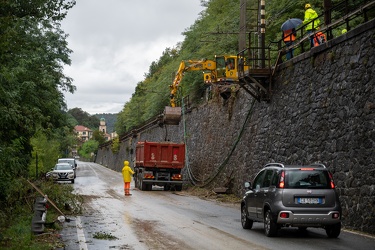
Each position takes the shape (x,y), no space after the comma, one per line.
(115,41)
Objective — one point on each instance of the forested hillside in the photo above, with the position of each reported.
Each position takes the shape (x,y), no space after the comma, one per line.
(79,117)
(215,32)
(204,39)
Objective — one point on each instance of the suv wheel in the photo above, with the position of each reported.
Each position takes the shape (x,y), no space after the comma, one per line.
(333,231)
(245,221)
(270,227)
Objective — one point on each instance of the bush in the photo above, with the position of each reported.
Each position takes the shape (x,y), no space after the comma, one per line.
(17,212)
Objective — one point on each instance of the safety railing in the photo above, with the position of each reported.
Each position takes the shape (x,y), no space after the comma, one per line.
(339,19)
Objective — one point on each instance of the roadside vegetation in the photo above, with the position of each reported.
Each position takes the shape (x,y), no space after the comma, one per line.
(17,212)
(35,129)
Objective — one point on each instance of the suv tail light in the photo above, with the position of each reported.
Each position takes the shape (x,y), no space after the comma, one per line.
(282,180)
(331,179)
(284,215)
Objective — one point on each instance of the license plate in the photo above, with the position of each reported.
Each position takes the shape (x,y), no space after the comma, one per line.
(309,200)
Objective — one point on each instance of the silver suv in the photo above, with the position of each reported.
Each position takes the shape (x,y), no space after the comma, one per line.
(292,196)
(71,161)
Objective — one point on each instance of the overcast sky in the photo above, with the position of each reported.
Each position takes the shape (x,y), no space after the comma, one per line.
(114,43)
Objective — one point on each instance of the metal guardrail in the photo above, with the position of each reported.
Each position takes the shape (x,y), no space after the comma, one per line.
(340,16)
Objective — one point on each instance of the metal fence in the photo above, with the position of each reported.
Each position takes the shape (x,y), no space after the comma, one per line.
(338,19)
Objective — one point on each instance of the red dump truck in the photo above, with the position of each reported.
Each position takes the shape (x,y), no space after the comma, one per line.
(159,163)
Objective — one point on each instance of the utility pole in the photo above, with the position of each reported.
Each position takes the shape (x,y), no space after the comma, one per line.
(327,17)
(242,35)
(263,32)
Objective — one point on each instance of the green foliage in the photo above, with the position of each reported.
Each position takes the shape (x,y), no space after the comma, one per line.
(84,118)
(88,148)
(17,212)
(33,51)
(115,145)
(98,136)
(49,146)
(104,236)
(47,150)
(72,121)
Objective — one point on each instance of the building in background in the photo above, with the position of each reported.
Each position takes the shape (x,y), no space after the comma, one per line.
(83,133)
(103,129)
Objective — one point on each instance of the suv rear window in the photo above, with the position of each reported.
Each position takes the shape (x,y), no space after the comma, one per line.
(307,179)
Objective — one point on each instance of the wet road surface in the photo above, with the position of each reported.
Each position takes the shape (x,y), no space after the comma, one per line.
(174,220)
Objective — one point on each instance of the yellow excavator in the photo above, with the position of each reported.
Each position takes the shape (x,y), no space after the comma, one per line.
(223,70)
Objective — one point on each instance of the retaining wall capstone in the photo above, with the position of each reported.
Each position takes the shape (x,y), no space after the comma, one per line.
(322,110)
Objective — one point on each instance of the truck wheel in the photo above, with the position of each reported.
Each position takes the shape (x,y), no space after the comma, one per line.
(136,182)
(149,187)
(143,186)
(139,181)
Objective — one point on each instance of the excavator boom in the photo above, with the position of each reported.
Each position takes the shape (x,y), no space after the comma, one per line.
(172,114)
(189,65)
(224,70)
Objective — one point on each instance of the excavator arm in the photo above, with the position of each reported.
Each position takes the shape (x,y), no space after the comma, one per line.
(221,71)
(189,65)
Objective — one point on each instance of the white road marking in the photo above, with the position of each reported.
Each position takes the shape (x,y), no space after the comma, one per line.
(81,234)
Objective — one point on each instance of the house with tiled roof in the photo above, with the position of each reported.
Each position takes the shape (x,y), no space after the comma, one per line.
(83,133)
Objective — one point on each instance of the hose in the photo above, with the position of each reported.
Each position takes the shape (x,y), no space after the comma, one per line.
(210,179)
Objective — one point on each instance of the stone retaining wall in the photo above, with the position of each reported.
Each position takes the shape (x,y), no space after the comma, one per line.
(322,110)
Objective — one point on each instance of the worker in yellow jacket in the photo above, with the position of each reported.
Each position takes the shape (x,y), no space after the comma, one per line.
(127,173)
(311,24)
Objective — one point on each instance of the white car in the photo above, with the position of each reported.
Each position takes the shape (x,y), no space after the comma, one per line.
(71,161)
(62,172)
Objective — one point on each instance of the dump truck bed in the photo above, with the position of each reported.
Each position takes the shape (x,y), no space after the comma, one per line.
(160,154)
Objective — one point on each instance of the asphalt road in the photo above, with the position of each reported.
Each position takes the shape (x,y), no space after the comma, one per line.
(175,220)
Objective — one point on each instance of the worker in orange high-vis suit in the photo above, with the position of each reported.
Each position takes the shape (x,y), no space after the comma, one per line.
(319,38)
(289,36)
(127,173)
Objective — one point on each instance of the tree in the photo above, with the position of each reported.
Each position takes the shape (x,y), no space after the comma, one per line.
(33,50)
(88,149)
(84,118)
(98,136)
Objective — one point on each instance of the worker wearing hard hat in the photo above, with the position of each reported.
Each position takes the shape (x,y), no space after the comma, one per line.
(311,21)
(127,173)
